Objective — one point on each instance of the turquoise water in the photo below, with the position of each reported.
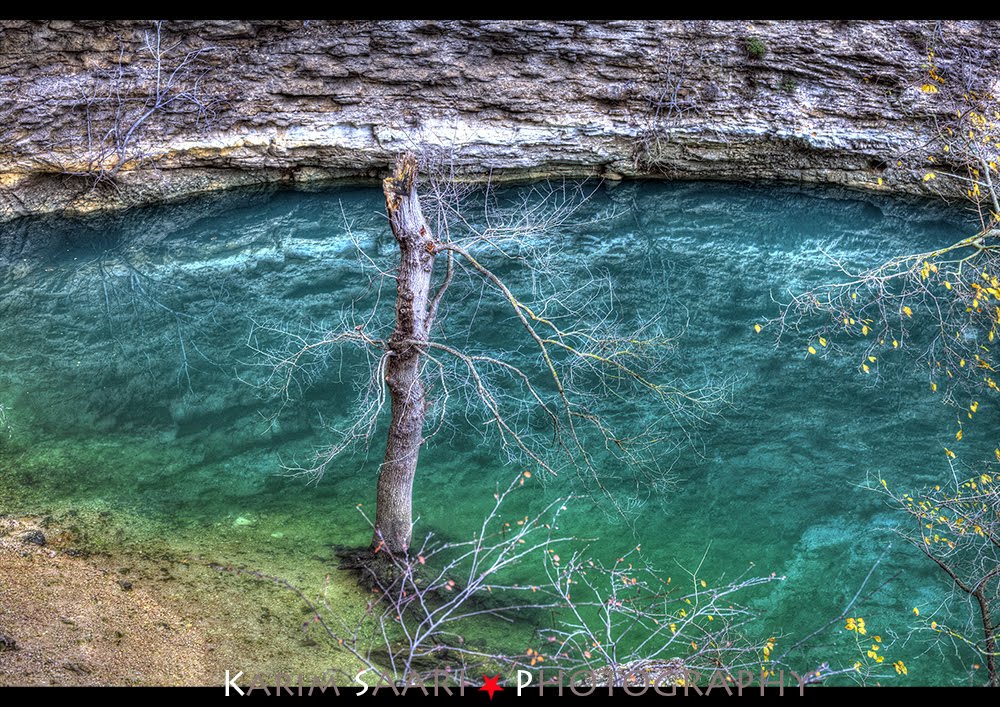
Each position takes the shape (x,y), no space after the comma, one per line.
(129,383)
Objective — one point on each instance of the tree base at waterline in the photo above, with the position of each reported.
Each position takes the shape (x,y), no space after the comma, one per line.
(374,570)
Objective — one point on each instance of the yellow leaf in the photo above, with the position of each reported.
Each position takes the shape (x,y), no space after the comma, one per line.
(812,350)
(864,367)
(961,363)
(872,359)
(958,436)
(975,406)
(933,387)
(929,88)
(880,181)
(895,344)
(929,176)
(756,328)
(947,285)
(907,311)
(822,341)
(864,330)
(703,583)
(916,611)
(951,454)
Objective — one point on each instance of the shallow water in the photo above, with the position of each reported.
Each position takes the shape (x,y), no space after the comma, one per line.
(128,385)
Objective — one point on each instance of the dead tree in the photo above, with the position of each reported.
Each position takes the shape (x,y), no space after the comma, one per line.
(415,310)
(586,359)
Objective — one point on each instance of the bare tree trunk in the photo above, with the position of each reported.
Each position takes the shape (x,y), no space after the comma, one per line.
(393,510)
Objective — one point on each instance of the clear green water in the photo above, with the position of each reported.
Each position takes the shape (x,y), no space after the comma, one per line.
(125,381)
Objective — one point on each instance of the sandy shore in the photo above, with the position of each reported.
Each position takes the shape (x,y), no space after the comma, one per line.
(67,618)
(78,621)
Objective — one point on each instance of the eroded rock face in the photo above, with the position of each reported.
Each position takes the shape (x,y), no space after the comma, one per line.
(837,102)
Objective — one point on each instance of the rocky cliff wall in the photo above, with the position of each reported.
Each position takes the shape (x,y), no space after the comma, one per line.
(248,102)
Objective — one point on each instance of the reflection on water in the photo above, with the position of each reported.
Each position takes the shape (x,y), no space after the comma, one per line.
(127,385)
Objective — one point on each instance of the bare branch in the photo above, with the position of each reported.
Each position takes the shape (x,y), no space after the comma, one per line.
(547,398)
(155,82)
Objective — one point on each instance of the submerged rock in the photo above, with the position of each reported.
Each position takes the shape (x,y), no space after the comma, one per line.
(34,537)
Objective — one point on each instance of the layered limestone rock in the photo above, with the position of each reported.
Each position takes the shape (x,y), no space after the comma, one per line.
(85,125)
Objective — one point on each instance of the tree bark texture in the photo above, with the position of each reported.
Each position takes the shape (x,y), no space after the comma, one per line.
(393,510)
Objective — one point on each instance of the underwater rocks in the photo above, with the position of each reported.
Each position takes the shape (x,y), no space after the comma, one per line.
(302,101)
(34,537)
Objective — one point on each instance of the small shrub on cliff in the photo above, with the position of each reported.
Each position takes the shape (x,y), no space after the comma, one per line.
(756,49)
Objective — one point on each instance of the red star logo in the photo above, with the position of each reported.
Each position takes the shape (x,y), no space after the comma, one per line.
(490,686)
